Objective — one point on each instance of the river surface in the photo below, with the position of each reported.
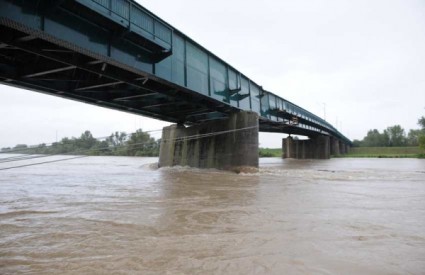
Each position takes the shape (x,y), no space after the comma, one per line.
(117,215)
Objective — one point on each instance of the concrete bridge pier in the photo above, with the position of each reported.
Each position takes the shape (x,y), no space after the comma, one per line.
(335,147)
(317,147)
(230,144)
(344,148)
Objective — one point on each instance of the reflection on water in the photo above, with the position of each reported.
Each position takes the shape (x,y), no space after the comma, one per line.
(113,215)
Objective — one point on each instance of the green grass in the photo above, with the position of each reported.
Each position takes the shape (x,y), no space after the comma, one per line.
(360,152)
(384,152)
(378,156)
(270,152)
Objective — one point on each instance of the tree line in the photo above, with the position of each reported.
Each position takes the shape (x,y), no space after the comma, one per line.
(394,136)
(142,144)
(117,144)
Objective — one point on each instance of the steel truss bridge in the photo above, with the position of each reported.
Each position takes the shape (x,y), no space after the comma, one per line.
(117,54)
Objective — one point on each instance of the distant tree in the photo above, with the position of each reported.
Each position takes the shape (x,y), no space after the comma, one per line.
(413,137)
(86,141)
(20,148)
(67,145)
(141,144)
(357,143)
(385,139)
(375,139)
(422,142)
(396,136)
(117,142)
(421,122)
(6,149)
(40,149)
(54,148)
(101,148)
(421,138)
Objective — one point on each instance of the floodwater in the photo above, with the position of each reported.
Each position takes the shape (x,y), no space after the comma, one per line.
(116,215)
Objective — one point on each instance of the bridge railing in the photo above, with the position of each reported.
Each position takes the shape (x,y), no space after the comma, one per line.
(276,108)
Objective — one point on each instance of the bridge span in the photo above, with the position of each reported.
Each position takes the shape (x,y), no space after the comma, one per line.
(117,54)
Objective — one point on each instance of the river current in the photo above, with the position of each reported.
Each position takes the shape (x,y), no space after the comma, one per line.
(118,215)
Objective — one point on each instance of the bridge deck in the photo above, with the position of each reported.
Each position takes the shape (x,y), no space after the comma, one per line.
(118,55)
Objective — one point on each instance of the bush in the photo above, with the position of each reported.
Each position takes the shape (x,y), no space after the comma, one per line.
(422,142)
(265,154)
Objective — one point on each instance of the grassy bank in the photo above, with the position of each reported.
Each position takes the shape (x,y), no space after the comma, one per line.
(270,152)
(385,152)
(361,152)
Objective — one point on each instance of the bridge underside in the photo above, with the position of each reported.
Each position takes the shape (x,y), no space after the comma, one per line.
(37,61)
(34,61)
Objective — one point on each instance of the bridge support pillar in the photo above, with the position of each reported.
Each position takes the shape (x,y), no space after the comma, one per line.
(314,148)
(335,148)
(230,144)
(344,148)
(289,148)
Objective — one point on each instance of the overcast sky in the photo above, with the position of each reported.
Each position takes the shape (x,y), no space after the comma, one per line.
(362,62)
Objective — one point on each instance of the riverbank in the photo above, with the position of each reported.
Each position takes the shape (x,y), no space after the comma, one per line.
(384,152)
(361,152)
(270,152)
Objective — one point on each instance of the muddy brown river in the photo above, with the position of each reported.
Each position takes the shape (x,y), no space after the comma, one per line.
(116,215)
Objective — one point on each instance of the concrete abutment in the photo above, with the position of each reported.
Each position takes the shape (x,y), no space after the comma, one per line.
(230,144)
